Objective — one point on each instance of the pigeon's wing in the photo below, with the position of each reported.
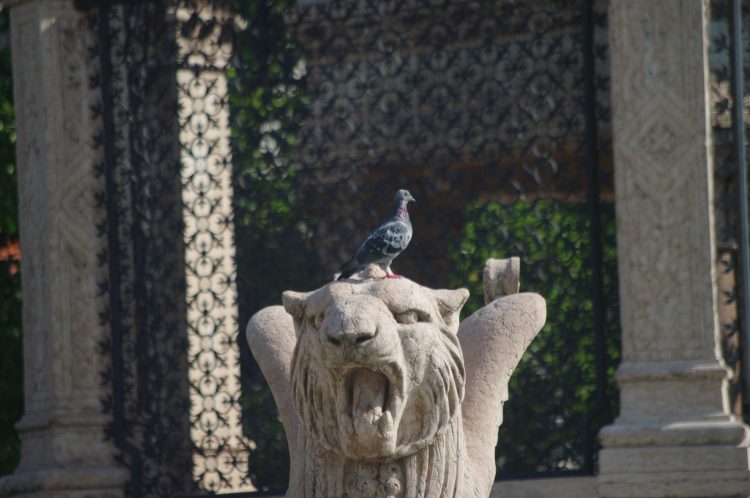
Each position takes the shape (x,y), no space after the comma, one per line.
(385,242)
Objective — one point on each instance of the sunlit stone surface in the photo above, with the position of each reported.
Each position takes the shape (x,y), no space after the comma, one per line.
(383,393)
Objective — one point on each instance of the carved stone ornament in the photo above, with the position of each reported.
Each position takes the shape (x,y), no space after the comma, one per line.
(383,393)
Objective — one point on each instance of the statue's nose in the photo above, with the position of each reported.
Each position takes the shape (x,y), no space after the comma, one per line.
(351,332)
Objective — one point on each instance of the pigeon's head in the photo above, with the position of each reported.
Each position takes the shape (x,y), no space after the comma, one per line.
(403,196)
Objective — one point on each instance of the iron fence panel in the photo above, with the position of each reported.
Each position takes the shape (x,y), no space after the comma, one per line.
(729,51)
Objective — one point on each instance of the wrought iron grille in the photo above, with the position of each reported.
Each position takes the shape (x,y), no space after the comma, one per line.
(729,60)
(249,146)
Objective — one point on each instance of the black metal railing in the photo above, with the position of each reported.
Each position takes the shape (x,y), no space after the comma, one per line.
(729,60)
(247,147)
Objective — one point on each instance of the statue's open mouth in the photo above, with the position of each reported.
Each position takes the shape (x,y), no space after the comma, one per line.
(368,405)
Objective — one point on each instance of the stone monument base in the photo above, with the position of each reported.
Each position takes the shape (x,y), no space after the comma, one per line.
(664,466)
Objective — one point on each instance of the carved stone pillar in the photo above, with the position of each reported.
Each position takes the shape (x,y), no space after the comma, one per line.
(64,453)
(674,435)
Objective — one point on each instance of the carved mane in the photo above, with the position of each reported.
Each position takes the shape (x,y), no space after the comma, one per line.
(436,470)
(426,459)
(369,378)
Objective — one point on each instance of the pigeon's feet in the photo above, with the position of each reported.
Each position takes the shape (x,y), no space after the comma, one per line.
(392,275)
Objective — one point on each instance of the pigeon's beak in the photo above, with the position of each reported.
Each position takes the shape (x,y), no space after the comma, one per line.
(412,199)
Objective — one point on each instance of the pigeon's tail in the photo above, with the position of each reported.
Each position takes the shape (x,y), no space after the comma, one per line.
(347,270)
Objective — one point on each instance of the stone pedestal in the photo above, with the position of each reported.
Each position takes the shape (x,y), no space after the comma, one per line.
(674,436)
(64,453)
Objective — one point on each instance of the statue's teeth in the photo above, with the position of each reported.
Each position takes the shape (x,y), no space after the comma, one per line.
(386,423)
(368,394)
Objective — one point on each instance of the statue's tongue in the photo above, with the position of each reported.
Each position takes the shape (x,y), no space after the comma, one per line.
(369,392)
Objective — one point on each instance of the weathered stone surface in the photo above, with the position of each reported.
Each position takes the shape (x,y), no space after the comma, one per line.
(501,277)
(383,393)
(64,451)
(674,435)
(662,175)
(547,487)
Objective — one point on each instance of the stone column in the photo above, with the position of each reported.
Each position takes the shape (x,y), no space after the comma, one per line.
(674,436)
(64,453)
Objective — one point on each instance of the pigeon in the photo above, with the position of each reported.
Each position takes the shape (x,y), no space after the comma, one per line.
(385,242)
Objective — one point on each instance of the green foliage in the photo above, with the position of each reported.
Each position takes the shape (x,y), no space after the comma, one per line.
(553,390)
(8,192)
(267,102)
(11,379)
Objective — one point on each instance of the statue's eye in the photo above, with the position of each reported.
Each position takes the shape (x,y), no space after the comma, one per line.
(318,320)
(409,317)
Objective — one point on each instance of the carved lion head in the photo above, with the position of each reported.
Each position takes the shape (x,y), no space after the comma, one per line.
(377,371)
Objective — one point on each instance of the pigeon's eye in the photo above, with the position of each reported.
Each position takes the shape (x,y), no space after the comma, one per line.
(409,317)
(318,320)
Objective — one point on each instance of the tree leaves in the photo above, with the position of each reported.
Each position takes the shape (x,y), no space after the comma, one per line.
(11,372)
(552,393)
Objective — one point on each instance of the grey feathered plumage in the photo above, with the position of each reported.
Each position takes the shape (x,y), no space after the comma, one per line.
(386,242)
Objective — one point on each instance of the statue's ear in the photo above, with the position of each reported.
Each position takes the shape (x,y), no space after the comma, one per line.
(450,303)
(294,304)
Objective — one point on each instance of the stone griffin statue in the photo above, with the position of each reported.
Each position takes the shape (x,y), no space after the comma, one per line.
(383,393)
